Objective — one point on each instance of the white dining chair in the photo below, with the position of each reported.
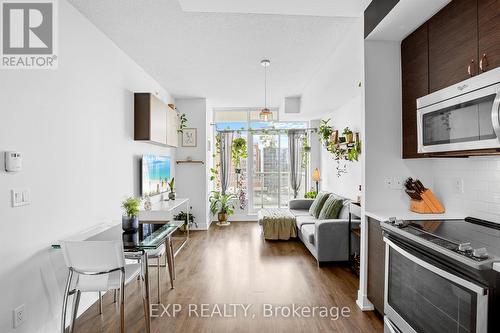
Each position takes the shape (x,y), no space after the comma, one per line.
(96,266)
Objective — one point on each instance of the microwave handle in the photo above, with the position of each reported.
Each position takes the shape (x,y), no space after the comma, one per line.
(495,117)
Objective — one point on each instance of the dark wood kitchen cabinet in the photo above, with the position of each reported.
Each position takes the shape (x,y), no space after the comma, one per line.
(489,34)
(453,44)
(461,40)
(415,84)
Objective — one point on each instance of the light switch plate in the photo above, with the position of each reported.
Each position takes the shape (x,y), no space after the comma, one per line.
(20,197)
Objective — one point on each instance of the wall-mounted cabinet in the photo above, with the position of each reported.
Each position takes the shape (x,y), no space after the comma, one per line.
(460,41)
(154,120)
(415,84)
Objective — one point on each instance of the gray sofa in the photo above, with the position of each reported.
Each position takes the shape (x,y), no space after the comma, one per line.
(325,239)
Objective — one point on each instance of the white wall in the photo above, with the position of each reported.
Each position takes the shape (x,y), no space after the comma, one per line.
(74,126)
(191,179)
(349,115)
(382,141)
(481,186)
(338,80)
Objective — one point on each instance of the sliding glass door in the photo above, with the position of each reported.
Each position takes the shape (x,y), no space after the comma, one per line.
(270,171)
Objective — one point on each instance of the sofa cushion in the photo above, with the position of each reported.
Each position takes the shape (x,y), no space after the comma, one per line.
(304,219)
(331,208)
(308,232)
(318,203)
(300,212)
(344,211)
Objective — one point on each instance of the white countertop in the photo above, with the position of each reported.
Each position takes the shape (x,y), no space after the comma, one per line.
(384,215)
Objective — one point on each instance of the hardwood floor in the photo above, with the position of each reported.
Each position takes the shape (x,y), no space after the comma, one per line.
(234,265)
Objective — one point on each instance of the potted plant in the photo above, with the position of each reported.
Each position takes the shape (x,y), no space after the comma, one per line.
(311,194)
(325,131)
(171,193)
(221,204)
(238,151)
(182,216)
(348,135)
(130,220)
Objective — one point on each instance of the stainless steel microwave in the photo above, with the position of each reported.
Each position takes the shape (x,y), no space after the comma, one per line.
(464,116)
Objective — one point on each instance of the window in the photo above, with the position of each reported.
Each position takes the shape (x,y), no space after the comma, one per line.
(264,176)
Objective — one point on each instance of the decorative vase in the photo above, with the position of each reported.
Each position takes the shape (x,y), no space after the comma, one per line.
(147,204)
(171,195)
(222,217)
(348,137)
(130,224)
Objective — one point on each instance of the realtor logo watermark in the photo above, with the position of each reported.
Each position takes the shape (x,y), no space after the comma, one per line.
(29,34)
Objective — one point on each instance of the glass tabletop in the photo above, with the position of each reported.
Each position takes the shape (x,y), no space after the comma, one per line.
(148,237)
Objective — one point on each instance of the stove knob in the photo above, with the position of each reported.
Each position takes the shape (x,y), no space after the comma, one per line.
(464,247)
(480,253)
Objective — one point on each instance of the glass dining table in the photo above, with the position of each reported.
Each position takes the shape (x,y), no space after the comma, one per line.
(136,244)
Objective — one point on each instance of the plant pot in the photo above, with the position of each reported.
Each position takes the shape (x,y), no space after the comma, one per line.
(171,195)
(348,137)
(130,238)
(130,224)
(222,217)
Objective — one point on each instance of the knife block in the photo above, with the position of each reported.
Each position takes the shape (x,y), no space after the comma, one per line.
(428,205)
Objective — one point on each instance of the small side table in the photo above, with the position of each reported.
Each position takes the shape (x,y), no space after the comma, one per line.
(354,210)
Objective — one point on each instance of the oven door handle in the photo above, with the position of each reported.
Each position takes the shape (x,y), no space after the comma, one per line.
(495,117)
(436,270)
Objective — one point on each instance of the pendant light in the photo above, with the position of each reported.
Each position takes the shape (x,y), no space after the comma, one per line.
(265,114)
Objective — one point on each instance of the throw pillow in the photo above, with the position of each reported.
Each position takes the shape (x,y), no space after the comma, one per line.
(318,203)
(331,208)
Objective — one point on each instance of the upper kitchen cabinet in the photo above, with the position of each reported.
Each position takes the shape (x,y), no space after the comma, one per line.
(489,34)
(415,84)
(453,44)
(154,121)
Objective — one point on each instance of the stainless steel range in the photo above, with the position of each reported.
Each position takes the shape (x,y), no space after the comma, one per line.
(442,276)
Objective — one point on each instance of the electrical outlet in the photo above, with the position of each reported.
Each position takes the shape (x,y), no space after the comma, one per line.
(20,197)
(397,183)
(19,315)
(459,185)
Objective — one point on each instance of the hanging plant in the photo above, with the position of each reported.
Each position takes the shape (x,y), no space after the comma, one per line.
(238,151)
(182,122)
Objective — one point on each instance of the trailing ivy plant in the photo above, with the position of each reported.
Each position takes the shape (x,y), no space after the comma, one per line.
(182,122)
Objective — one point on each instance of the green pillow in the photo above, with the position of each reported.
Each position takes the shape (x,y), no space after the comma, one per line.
(331,208)
(318,203)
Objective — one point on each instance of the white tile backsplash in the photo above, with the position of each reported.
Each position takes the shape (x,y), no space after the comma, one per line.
(481,190)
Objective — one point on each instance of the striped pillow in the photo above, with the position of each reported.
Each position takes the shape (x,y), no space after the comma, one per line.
(318,203)
(331,208)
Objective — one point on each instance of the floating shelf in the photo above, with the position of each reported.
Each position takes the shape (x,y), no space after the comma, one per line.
(189,162)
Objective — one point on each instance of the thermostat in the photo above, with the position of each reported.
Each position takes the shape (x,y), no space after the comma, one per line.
(13,161)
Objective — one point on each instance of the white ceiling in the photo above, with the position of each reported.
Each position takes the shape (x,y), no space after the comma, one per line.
(405,17)
(217,55)
(351,8)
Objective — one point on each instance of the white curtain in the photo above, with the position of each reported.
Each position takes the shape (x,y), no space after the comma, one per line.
(226,140)
(294,149)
